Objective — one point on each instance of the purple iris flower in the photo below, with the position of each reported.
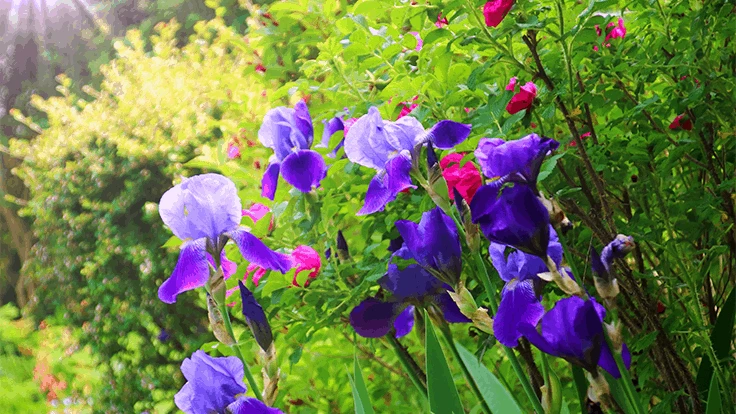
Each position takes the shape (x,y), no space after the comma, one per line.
(255,317)
(573,330)
(434,244)
(331,127)
(390,147)
(410,287)
(520,297)
(513,216)
(213,385)
(289,133)
(514,161)
(616,249)
(205,211)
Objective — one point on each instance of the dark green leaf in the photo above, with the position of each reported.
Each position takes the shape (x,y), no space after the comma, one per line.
(443,396)
(497,397)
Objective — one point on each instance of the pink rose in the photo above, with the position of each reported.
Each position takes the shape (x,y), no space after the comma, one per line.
(523,99)
(466,179)
(495,10)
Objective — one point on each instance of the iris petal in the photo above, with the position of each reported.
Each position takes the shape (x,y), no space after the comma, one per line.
(254,251)
(519,305)
(447,134)
(270,180)
(191,271)
(373,318)
(404,323)
(304,169)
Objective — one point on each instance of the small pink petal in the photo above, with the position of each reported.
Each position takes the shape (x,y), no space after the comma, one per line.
(305,258)
(495,10)
(512,84)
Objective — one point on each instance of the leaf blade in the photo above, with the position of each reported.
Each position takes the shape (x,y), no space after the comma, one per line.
(497,397)
(443,395)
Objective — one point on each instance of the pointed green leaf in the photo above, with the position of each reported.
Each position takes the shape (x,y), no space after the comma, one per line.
(443,396)
(581,384)
(721,339)
(360,393)
(714,397)
(498,398)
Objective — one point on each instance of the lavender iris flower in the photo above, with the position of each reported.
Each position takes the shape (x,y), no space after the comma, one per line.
(410,287)
(514,161)
(390,147)
(434,244)
(520,297)
(255,318)
(205,212)
(213,386)
(331,127)
(573,330)
(290,134)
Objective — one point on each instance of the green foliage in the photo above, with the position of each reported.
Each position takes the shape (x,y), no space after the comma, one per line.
(443,396)
(497,397)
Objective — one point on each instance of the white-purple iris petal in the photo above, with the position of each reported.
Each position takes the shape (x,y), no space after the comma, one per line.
(201,210)
(212,383)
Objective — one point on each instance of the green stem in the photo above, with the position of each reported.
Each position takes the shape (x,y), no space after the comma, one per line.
(628,386)
(409,366)
(468,377)
(238,353)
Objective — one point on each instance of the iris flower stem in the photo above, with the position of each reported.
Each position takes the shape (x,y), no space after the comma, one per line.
(491,293)
(238,353)
(628,386)
(447,334)
(411,367)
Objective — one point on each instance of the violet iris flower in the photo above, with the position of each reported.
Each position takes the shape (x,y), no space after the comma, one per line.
(514,161)
(213,385)
(205,211)
(410,287)
(290,134)
(513,216)
(255,318)
(573,330)
(390,147)
(616,249)
(331,127)
(520,297)
(434,244)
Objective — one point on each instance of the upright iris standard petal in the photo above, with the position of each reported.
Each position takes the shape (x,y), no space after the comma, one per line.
(191,271)
(304,169)
(404,134)
(254,251)
(270,180)
(303,122)
(373,318)
(571,330)
(447,134)
(255,318)
(279,132)
(519,305)
(366,143)
(201,206)
(519,160)
(331,127)
(434,243)
(212,383)
(523,266)
(248,405)
(514,217)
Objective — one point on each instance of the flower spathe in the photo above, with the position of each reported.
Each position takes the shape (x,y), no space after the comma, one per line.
(289,132)
(573,330)
(205,211)
(213,386)
(494,11)
(522,99)
(465,179)
(389,148)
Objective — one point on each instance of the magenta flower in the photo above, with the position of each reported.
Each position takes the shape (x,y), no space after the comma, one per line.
(495,10)
(466,179)
(615,31)
(256,212)
(305,258)
(205,212)
(522,99)
(233,151)
(681,122)
(441,21)
(407,108)
(512,84)
(420,43)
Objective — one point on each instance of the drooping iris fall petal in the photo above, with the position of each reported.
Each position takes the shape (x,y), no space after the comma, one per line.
(212,383)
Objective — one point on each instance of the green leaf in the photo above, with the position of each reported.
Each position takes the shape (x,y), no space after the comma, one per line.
(581,385)
(547,167)
(721,339)
(714,397)
(443,396)
(435,35)
(360,393)
(497,397)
